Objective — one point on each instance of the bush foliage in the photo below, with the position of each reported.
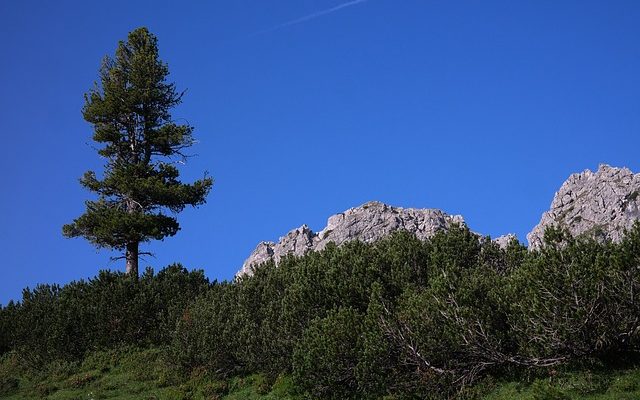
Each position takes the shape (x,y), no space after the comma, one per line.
(108,311)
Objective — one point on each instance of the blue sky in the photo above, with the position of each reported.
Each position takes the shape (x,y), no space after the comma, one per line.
(480,108)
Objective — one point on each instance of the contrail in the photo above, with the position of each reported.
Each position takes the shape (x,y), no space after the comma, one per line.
(310,16)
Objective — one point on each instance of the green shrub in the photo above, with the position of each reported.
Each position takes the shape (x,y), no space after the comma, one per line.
(205,335)
(7,319)
(379,370)
(106,312)
(9,374)
(325,359)
(576,298)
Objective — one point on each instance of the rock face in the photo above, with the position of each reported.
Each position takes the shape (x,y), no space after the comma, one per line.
(601,204)
(368,223)
(504,240)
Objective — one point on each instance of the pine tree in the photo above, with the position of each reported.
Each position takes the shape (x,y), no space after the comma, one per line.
(129,111)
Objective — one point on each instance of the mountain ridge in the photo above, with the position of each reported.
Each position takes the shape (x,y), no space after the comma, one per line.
(368,222)
(602,203)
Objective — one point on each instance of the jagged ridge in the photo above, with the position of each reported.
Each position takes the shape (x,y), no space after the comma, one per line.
(368,223)
(601,204)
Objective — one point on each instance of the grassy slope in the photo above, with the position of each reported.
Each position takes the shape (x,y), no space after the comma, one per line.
(611,385)
(145,375)
(130,375)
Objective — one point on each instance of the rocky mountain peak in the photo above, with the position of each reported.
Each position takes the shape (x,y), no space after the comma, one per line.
(601,203)
(368,223)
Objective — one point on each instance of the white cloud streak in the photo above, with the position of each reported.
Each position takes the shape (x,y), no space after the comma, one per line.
(310,16)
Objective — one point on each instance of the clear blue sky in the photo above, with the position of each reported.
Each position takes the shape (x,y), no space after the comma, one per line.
(480,108)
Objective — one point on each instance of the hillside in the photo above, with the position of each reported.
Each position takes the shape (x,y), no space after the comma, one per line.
(412,304)
(129,375)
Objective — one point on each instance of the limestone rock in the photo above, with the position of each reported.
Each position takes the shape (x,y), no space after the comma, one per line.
(504,240)
(601,204)
(368,223)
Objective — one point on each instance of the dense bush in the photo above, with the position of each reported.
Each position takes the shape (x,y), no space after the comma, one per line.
(577,297)
(205,336)
(436,336)
(108,311)
(436,316)
(6,319)
(325,359)
(257,321)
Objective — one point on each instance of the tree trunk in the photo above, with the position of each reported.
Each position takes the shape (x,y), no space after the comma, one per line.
(132,259)
(132,247)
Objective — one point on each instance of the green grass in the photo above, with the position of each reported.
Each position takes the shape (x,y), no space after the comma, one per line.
(129,374)
(604,385)
(136,374)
